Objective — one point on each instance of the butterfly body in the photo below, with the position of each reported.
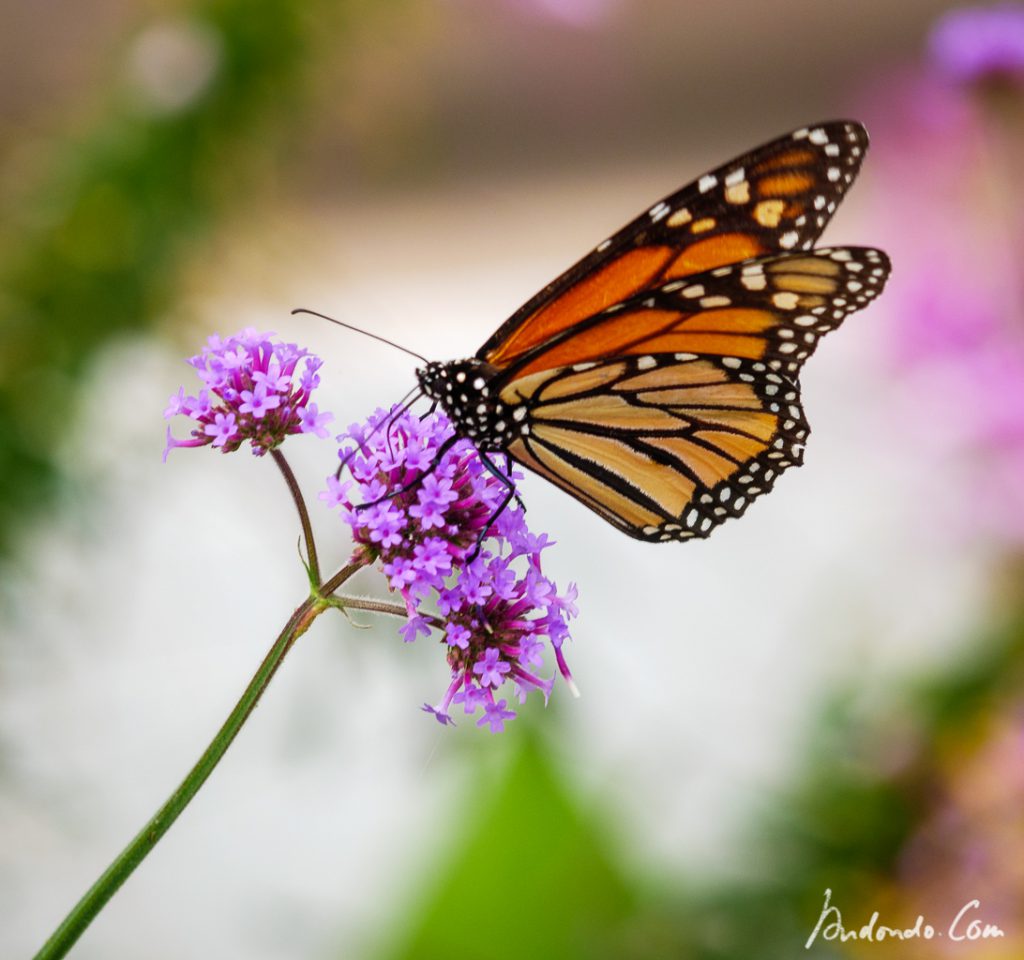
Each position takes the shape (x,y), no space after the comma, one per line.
(657,380)
(464,389)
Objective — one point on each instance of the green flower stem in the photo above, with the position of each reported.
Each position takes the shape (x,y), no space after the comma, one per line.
(312,564)
(381,606)
(374,606)
(368,603)
(339,578)
(65,936)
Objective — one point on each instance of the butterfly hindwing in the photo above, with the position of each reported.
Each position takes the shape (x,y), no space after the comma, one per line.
(778,197)
(664,447)
(774,309)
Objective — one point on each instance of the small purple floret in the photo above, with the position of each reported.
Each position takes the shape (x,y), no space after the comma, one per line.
(490,668)
(311,420)
(495,715)
(222,429)
(457,635)
(441,718)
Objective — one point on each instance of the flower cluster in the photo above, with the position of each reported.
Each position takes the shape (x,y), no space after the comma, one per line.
(440,522)
(250,393)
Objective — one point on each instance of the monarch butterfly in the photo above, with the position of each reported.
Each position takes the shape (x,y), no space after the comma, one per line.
(656,381)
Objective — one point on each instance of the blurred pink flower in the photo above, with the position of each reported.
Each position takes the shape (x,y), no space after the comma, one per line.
(576,13)
(975,43)
(946,157)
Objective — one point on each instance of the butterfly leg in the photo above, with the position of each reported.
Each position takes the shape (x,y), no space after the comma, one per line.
(395,414)
(510,495)
(406,403)
(506,482)
(438,457)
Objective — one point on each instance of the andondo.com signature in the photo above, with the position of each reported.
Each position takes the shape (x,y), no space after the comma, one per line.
(965,926)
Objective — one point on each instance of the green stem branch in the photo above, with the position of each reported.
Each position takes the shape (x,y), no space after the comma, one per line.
(300,505)
(340,577)
(375,606)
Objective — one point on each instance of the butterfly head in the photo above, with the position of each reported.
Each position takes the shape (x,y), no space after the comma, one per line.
(454,383)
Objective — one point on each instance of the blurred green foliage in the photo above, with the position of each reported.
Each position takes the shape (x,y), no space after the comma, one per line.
(531,877)
(560,892)
(93,249)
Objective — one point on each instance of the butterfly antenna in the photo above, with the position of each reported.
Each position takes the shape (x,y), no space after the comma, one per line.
(396,411)
(404,404)
(365,333)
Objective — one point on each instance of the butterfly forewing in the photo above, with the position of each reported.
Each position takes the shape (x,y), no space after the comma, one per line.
(774,309)
(778,197)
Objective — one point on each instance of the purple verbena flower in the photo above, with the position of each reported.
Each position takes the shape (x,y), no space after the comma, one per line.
(222,429)
(495,715)
(490,668)
(457,635)
(250,393)
(311,420)
(471,697)
(413,627)
(530,652)
(463,571)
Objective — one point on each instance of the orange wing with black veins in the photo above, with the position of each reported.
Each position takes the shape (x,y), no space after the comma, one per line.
(776,198)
